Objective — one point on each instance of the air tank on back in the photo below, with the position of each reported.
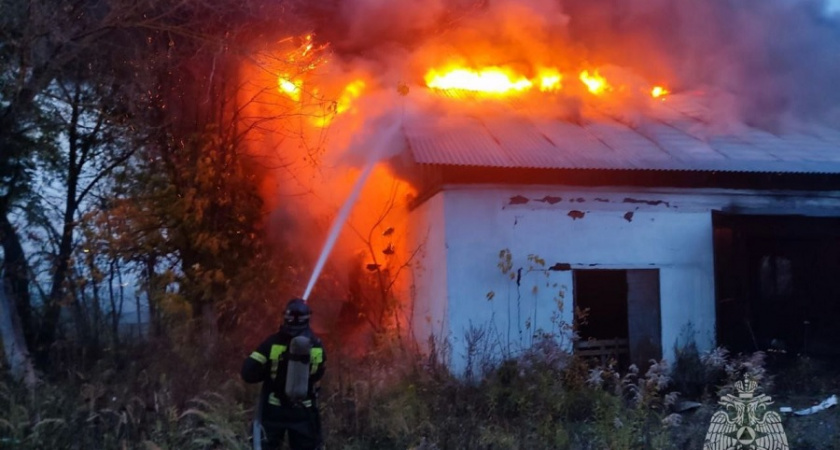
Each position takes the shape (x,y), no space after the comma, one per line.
(297,374)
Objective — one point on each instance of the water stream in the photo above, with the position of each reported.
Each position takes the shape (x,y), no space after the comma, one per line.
(338,223)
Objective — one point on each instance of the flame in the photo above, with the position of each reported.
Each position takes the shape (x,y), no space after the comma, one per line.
(351,92)
(344,103)
(550,79)
(307,47)
(490,80)
(501,80)
(594,82)
(304,58)
(289,87)
(659,91)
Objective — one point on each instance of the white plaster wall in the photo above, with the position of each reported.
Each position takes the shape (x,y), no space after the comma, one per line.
(428,271)
(481,222)
(670,230)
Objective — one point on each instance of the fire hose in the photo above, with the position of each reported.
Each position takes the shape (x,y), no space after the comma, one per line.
(256,430)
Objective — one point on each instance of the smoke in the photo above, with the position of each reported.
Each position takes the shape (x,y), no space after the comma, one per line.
(776,58)
(370,23)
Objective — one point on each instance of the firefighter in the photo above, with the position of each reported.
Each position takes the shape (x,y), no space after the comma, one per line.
(289,363)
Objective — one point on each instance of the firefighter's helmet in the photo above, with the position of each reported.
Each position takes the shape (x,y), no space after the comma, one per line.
(297,314)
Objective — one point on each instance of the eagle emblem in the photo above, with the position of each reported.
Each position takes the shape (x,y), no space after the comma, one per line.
(746,423)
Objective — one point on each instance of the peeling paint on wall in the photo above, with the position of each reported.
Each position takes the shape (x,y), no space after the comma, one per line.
(518,200)
(550,199)
(480,221)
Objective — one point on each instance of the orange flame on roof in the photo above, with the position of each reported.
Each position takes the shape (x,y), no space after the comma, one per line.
(550,79)
(494,80)
(490,80)
(594,82)
(504,81)
(659,92)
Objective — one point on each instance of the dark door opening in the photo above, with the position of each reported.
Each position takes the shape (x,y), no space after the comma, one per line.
(777,282)
(623,316)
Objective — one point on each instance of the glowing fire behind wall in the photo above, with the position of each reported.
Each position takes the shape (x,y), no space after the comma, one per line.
(313,121)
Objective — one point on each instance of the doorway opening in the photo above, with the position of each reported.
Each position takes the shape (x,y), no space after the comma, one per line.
(622,318)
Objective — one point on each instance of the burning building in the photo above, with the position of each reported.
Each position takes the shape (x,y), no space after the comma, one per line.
(657,229)
(668,170)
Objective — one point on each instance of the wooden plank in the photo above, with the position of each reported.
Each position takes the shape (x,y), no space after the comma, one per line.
(602,348)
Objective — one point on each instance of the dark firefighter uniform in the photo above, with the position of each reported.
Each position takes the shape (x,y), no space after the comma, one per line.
(268,364)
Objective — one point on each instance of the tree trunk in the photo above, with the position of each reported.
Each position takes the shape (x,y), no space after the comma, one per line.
(79,309)
(16,276)
(116,312)
(96,310)
(14,346)
(152,297)
(52,309)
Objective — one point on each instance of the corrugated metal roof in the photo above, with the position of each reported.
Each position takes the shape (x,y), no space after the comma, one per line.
(673,135)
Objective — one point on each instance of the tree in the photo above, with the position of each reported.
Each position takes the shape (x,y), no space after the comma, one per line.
(118,116)
(88,112)
(204,195)
(95,57)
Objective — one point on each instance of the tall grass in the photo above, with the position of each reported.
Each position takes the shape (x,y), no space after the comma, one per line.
(544,398)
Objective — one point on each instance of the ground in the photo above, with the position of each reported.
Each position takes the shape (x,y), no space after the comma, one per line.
(803,382)
(799,383)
